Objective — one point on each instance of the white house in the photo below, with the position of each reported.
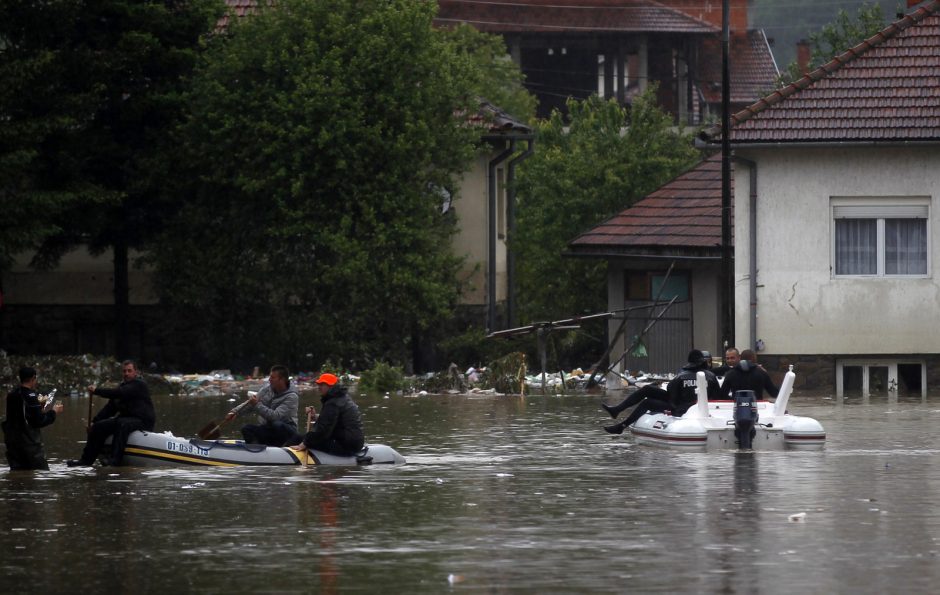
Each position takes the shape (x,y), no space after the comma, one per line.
(837,220)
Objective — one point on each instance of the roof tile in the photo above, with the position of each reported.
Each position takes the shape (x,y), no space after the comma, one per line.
(683,215)
(886,88)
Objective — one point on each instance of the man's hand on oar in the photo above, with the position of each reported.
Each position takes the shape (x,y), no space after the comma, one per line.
(213,430)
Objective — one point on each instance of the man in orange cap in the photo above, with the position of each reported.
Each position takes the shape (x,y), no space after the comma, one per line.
(338,428)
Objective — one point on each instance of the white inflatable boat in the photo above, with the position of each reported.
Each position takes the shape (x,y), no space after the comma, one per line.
(740,423)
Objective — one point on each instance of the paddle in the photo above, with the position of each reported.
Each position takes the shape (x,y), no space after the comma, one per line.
(91,395)
(213,429)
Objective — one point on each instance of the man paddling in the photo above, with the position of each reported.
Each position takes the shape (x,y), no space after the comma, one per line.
(338,428)
(129,408)
(276,407)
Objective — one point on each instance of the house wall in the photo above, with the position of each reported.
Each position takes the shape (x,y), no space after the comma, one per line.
(472,239)
(801,308)
(80,278)
(705,331)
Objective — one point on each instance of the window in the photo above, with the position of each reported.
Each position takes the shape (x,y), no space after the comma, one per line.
(884,238)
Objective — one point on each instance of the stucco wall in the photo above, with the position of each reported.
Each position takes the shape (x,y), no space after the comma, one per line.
(801,308)
(472,239)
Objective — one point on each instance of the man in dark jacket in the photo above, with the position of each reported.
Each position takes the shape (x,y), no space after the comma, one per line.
(732,357)
(747,375)
(25,415)
(129,408)
(338,428)
(678,396)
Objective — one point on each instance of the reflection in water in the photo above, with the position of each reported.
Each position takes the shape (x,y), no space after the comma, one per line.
(507,494)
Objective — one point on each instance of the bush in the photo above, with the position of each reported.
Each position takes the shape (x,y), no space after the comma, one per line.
(382,378)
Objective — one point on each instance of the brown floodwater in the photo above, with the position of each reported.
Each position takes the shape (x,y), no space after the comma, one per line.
(499,495)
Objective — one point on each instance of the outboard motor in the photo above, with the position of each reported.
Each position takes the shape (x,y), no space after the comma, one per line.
(745,417)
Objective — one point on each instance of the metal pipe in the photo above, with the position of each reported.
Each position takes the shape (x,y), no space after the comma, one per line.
(752,249)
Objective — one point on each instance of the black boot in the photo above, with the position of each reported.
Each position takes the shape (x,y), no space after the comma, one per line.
(613,411)
(615,429)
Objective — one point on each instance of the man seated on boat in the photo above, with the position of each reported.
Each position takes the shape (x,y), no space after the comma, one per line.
(338,428)
(677,398)
(732,357)
(129,408)
(748,375)
(276,407)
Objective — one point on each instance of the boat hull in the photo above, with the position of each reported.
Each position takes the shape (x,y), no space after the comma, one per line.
(163,449)
(716,432)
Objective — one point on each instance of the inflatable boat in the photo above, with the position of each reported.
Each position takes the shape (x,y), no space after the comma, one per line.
(731,424)
(149,449)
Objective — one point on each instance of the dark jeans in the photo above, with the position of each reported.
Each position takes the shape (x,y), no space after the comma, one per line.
(647,405)
(20,457)
(647,392)
(118,428)
(333,446)
(273,434)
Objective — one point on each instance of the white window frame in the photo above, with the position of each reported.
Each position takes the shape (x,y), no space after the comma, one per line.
(866,364)
(879,209)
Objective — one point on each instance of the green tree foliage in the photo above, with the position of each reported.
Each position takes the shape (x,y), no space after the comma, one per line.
(498,78)
(89,91)
(837,37)
(585,170)
(319,136)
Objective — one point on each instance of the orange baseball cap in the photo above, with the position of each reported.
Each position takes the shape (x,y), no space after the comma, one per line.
(327,378)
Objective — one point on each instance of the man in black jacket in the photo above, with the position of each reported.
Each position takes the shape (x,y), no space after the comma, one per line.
(747,375)
(25,415)
(678,396)
(129,408)
(338,428)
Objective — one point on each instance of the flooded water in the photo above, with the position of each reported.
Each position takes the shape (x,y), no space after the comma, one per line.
(500,495)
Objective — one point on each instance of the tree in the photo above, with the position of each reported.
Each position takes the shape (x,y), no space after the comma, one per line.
(498,78)
(837,37)
(90,90)
(318,138)
(586,169)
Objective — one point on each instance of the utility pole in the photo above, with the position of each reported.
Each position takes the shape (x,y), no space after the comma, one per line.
(727,271)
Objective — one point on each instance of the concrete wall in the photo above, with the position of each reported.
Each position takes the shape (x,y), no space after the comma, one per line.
(801,307)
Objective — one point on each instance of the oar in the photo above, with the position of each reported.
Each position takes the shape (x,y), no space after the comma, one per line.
(311,415)
(91,396)
(213,429)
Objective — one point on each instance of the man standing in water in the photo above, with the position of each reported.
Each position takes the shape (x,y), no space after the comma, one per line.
(338,429)
(129,408)
(25,416)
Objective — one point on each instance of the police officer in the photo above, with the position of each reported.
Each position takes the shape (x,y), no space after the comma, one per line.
(679,394)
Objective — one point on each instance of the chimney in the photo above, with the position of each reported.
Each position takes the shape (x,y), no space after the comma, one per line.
(803,54)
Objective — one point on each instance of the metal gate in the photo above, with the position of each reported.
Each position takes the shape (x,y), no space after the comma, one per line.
(667,343)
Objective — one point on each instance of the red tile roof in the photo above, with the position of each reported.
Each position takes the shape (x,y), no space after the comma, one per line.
(886,88)
(752,68)
(567,16)
(682,218)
